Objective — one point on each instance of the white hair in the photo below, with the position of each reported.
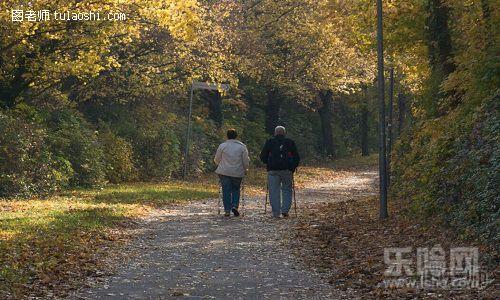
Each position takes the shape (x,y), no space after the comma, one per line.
(279,130)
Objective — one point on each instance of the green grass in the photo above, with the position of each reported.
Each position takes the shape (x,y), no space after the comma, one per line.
(148,193)
(59,239)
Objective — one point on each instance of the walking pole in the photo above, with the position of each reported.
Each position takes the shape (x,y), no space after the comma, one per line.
(267,193)
(242,198)
(218,203)
(294,197)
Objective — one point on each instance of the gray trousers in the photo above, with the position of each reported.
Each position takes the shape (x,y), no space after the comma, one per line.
(280,191)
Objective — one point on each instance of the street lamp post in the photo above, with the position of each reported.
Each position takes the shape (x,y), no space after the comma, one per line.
(197,85)
(188,135)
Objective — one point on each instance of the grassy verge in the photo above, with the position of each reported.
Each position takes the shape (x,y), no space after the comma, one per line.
(47,244)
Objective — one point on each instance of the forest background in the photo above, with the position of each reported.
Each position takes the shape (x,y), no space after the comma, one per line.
(88,103)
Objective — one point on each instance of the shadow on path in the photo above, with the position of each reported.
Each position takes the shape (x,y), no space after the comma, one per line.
(190,252)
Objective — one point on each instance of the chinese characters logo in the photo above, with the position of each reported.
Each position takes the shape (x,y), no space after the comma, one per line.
(432,269)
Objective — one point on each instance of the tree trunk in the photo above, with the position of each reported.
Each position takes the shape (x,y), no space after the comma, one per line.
(273,110)
(439,39)
(10,90)
(440,57)
(486,10)
(325,113)
(214,100)
(364,126)
(383,213)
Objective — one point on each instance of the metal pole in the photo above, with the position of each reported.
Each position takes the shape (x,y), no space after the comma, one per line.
(389,126)
(188,135)
(242,198)
(294,198)
(381,154)
(267,193)
(219,200)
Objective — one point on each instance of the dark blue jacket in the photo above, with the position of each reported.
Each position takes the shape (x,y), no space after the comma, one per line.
(293,157)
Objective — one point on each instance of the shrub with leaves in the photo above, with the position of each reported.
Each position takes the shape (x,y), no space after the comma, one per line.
(158,153)
(118,158)
(72,138)
(451,168)
(27,166)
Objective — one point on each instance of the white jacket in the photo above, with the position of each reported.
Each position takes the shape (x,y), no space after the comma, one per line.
(232,159)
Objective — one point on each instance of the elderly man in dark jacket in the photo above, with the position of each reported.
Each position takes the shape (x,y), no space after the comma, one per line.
(282,158)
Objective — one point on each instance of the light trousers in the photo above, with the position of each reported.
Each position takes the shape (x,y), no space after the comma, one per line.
(280,191)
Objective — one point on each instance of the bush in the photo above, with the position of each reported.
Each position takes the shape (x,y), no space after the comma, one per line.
(118,157)
(205,140)
(27,167)
(73,139)
(450,169)
(476,166)
(158,153)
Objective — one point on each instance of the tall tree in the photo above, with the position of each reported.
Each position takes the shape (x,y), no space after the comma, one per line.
(439,44)
(273,109)
(214,101)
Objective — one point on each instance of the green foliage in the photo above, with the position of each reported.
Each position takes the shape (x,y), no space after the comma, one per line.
(205,140)
(447,163)
(476,167)
(248,118)
(118,158)
(72,138)
(27,167)
(347,120)
(158,153)
(254,135)
(303,126)
(134,76)
(448,167)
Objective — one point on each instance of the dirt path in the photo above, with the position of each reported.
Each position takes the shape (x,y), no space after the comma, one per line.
(189,251)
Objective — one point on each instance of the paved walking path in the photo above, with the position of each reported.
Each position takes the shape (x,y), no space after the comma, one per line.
(190,252)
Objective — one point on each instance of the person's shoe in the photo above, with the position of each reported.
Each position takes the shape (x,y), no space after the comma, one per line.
(226,214)
(235,212)
(285,215)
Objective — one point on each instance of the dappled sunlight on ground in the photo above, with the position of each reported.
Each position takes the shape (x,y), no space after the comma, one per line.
(57,240)
(190,250)
(183,247)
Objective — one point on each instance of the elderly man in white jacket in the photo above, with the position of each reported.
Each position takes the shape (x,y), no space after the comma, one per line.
(232,161)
